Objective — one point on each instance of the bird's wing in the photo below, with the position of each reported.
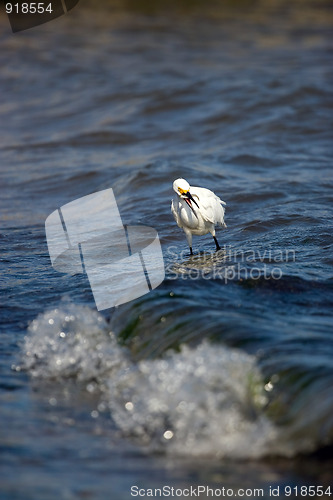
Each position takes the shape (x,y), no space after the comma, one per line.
(174,211)
(210,205)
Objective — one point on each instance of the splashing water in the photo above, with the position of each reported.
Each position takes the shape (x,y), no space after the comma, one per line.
(207,400)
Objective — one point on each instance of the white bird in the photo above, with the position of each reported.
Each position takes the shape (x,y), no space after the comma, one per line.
(197,210)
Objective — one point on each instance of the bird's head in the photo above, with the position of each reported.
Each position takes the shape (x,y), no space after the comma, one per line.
(182,188)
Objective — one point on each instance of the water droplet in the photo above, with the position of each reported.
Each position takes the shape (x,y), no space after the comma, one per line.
(269,386)
(51,321)
(168,435)
(129,406)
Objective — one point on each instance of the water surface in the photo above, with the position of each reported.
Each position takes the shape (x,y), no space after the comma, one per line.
(223,375)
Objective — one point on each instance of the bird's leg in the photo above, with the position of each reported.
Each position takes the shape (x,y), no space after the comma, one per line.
(216,243)
(189,240)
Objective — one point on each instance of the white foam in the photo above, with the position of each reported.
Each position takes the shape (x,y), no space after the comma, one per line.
(71,342)
(206,400)
(201,401)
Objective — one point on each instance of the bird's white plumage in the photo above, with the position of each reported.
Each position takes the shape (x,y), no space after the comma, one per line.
(198,215)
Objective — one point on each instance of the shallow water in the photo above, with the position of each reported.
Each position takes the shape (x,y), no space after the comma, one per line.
(223,374)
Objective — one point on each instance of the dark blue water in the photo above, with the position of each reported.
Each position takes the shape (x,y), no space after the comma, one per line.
(223,374)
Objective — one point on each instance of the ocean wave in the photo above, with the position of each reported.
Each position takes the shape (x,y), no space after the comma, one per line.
(197,401)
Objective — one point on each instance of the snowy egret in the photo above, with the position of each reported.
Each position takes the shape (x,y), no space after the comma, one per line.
(197,210)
